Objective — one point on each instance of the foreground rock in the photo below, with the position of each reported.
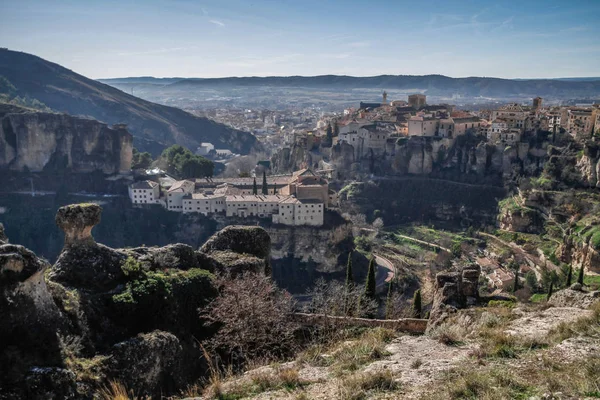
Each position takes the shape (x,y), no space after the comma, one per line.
(102,314)
(30,320)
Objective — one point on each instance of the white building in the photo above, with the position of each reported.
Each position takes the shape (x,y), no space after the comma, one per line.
(176,193)
(144,192)
(253,205)
(204,149)
(204,203)
(299,212)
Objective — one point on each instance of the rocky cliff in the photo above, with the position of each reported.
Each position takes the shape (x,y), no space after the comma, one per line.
(154,126)
(38,141)
(104,314)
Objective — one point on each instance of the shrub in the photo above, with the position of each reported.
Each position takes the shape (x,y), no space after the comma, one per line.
(252,315)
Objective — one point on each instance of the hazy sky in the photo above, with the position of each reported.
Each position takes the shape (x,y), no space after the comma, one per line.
(194,38)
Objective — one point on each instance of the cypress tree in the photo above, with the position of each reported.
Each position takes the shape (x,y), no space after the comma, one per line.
(254,187)
(417,304)
(550,291)
(570,275)
(349,275)
(516,283)
(388,301)
(581,275)
(370,286)
(265,189)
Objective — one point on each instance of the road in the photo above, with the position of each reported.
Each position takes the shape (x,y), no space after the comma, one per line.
(385,270)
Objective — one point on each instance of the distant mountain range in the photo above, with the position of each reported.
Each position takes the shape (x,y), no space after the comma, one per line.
(431,84)
(153,126)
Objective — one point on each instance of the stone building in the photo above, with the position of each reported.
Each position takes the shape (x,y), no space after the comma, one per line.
(417,101)
(205,203)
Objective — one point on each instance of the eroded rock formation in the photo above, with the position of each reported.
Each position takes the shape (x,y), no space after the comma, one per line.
(129,314)
(39,141)
(453,290)
(237,249)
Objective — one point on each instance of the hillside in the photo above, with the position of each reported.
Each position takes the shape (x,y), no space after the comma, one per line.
(153,126)
(431,84)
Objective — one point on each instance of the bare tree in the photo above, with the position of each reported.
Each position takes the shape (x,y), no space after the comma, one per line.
(335,298)
(252,314)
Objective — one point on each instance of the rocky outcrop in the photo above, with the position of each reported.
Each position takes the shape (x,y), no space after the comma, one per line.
(84,263)
(589,165)
(130,315)
(150,360)
(321,246)
(237,249)
(453,290)
(77,221)
(3,237)
(38,141)
(30,320)
(574,296)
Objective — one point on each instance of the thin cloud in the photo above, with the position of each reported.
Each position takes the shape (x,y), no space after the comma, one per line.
(154,51)
(217,22)
(360,44)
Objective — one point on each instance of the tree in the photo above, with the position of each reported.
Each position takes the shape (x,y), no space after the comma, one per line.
(370,285)
(140,160)
(581,275)
(570,276)
(516,283)
(456,249)
(254,187)
(388,301)
(349,275)
(336,129)
(329,137)
(265,189)
(550,290)
(417,308)
(252,315)
(531,280)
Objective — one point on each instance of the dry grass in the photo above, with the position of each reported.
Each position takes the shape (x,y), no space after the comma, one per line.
(574,380)
(358,386)
(349,355)
(116,391)
(369,347)
(495,343)
(583,326)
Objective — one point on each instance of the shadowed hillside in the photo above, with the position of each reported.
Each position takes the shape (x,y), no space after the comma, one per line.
(154,126)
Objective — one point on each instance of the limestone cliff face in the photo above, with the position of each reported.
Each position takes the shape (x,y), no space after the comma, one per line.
(466,157)
(323,246)
(38,141)
(589,165)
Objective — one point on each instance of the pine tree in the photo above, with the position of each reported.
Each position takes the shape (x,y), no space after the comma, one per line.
(254,187)
(581,275)
(570,276)
(265,189)
(370,285)
(550,291)
(388,301)
(349,275)
(417,304)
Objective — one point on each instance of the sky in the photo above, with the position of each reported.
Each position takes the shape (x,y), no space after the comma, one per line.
(195,38)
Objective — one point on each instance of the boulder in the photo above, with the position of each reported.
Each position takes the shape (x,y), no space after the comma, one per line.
(237,249)
(176,255)
(30,319)
(148,363)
